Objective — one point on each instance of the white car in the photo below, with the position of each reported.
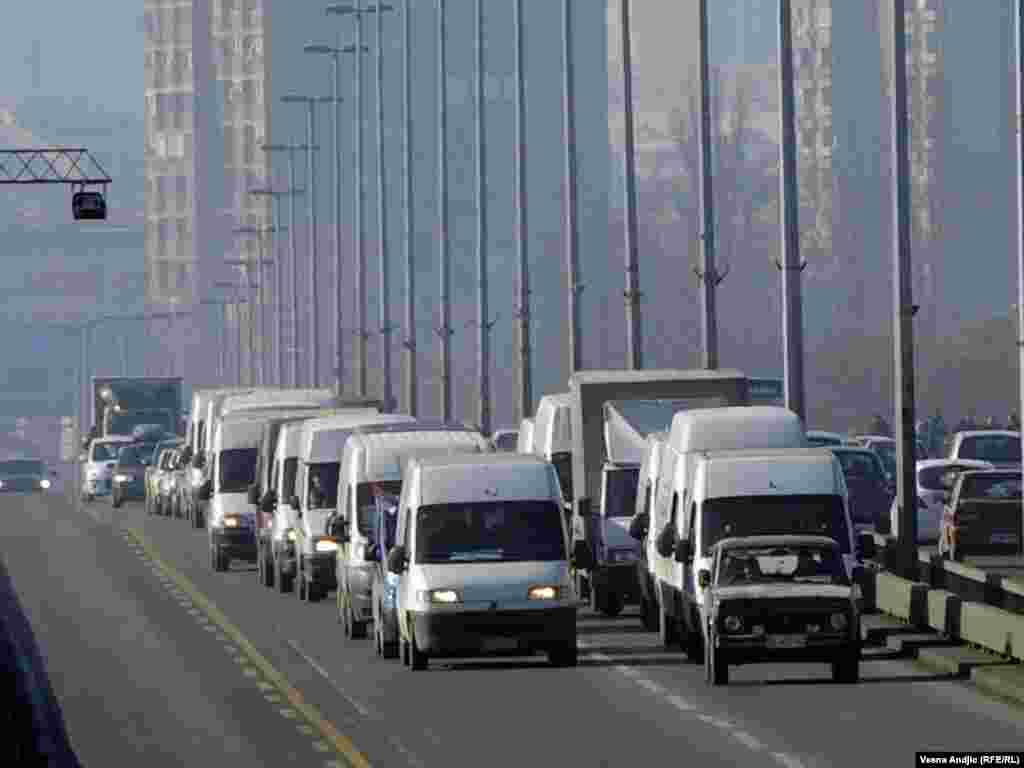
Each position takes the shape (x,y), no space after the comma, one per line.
(98,466)
(932,495)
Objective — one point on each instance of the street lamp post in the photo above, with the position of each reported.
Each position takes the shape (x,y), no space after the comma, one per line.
(482,313)
(444,329)
(278,303)
(292,193)
(572,227)
(237,302)
(634,338)
(261,284)
(524,369)
(335,53)
(407,155)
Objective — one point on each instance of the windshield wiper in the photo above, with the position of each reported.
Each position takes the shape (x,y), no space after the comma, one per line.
(476,556)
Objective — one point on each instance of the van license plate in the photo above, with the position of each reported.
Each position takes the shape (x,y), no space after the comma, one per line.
(787,641)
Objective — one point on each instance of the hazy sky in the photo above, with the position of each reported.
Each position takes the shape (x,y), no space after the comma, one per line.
(90,49)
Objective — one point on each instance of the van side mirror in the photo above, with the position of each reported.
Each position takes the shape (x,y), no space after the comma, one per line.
(703,578)
(638,526)
(397,559)
(293,502)
(866,546)
(683,551)
(582,556)
(666,542)
(254,494)
(370,554)
(339,530)
(205,491)
(268,502)
(198,461)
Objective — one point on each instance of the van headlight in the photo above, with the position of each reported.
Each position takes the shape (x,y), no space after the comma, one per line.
(123,478)
(839,621)
(326,545)
(440,596)
(44,484)
(544,593)
(732,623)
(231,521)
(291,534)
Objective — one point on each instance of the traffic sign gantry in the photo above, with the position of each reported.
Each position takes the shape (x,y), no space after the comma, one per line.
(73,166)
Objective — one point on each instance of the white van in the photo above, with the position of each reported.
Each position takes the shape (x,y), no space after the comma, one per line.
(279,398)
(230,518)
(639,527)
(98,466)
(552,437)
(371,465)
(482,558)
(315,498)
(747,493)
(692,434)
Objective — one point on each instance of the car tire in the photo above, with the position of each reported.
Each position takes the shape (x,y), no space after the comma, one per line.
(358,627)
(668,630)
(418,660)
(387,650)
(403,650)
(566,655)
(716,670)
(283,583)
(846,670)
(115,502)
(648,614)
(268,570)
(693,644)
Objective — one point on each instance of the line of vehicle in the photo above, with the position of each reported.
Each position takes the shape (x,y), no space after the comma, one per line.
(341,743)
(745,738)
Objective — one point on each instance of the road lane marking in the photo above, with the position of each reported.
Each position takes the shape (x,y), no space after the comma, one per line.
(341,743)
(323,673)
(650,685)
(787,760)
(680,703)
(747,740)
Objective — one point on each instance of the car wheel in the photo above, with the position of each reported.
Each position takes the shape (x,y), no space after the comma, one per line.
(417,658)
(387,650)
(403,647)
(648,615)
(847,669)
(693,644)
(283,583)
(115,502)
(716,670)
(566,655)
(300,582)
(668,630)
(612,604)
(268,571)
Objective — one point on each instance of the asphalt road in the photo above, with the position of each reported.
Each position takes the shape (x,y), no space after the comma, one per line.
(138,676)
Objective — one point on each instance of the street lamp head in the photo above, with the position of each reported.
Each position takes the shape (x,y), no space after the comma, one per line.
(340,9)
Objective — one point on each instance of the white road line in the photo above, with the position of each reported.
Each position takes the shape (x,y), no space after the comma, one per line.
(650,685)
(680,703)
(714,721)
(787,760)
(627,671)
(747,740)
(323,673)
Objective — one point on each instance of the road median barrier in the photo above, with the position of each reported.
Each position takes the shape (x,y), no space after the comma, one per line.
(997,630)
(961,661)
(944,612)
(907,600)
(1005,682)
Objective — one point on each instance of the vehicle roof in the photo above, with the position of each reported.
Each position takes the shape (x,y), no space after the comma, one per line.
(459,478)
(237,434)
(506,431)
(323,440)
(718,428)
(114,439)
(989,432)
(929,463)
(775,541)
(803,471)
(850,449)
(825,433)
(876,438)
(661,374)
(381,455)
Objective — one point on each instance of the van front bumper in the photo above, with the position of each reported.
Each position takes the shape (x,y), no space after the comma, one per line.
(478,632)
(235,542)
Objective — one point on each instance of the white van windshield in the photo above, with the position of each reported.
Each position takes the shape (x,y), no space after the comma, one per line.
(775,516)
(620,492)
(237,470)
(493,531)
(323,485)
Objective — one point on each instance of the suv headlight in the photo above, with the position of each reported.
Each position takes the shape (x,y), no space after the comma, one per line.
(326,545)
(123,478)
(440,596)
(44,484)
(290,535)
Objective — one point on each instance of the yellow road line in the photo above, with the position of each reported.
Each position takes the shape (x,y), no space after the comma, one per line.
(341,743)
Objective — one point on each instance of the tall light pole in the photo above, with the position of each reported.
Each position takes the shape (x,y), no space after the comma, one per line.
(256,294)
(1019,71)
(237,301)
(789,207)
(293,192)
(411,388)
(277,226)
(572,227)
(707,272)
(634,338)
(338,330)
(221,337)
(524,368)
(483,324)
(903,299)
(382,218)
(264,299)
(444,330)
(356,10)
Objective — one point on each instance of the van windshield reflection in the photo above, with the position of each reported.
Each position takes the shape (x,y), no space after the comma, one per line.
(740,516)
(506,531)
